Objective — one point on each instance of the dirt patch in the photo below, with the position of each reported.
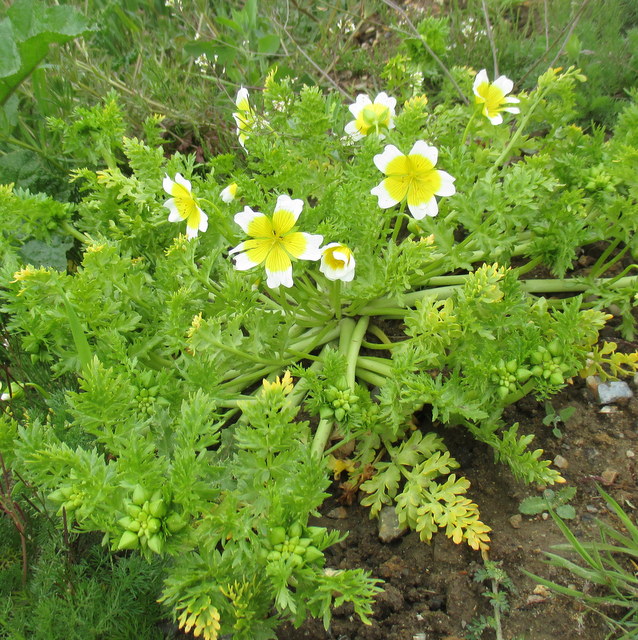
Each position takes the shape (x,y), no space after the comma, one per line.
(430,593)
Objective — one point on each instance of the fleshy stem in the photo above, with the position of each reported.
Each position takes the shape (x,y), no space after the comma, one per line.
(336,298)
(222,224)
(72,231)
(353,349)
(469,122)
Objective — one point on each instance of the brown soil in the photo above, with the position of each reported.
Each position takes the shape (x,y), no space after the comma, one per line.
(429,591)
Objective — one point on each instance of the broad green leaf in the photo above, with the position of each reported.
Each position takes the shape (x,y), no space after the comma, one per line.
(32,27)
(268,44)
(10,58)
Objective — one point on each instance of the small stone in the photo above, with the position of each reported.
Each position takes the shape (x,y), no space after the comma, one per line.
(392,568)
(542,590)
(610,408)
(535,599)
(340,513)
(629,453)
(614,392)
(591,508)
(516,520)
(592,383)
(560,462)
(389,527)
(544,515)
(419,636)
(608,476)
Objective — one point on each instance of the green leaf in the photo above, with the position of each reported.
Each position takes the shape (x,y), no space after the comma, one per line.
(10,59)
(566,511)
(268,44)
(47,254)
(28,30)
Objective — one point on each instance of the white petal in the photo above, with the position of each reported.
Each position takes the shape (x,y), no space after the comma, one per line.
(191,232)
(275,278)
(385,199)
(504,84)
(239,247)
(286,203)
(359,104)
(447,187)
(352,130)
(329,246)
(173,216)
(312,252)
(497,119)
(168,185)
(512,109)
(481,78)
(384,99)
(180,179)
(245,217)
(381,160)
(422,148)
(243,262)
(203,220)
(242,95)
(511,100)
(419,211)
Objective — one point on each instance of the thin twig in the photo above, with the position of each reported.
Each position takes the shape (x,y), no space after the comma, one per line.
(490,37)
(569,26)
(546,20)
(313,63)
(428,48)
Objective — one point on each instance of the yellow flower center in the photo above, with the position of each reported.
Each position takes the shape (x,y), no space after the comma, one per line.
(186,205)
(413,176)
(372,117)
(337,262)
(274,241)
(492,97)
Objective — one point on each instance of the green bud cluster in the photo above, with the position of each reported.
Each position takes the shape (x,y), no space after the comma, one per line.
(548,363)
(295,545)
(340,400)
(508,376)
(70,497)
(148,522)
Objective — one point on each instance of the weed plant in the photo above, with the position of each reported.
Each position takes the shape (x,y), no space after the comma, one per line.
(608,563)
(229,323)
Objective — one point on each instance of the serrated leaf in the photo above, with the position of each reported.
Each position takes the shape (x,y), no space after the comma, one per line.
(566,511)
(533,505)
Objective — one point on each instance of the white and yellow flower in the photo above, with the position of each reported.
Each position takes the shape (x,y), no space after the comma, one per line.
(275,242)
(493,96)
(371,117)
(183,206)
(229,193)
(245,118)
(337,262)
(413,178)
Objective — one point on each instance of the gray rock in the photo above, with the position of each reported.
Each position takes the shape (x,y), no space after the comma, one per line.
(389,527)
(614,391)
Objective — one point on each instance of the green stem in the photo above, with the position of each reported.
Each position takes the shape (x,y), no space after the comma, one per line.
(324,429)
(376,365)
(336,298)
(370,378)
(72,231)
(469,122)
(354,347)
(347,327)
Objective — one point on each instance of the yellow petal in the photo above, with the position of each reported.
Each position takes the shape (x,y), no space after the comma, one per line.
(399,166)
(278,260)
(257,250)
(260,227)
(295,244)
(397,186)
(283,221)
(423,187)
